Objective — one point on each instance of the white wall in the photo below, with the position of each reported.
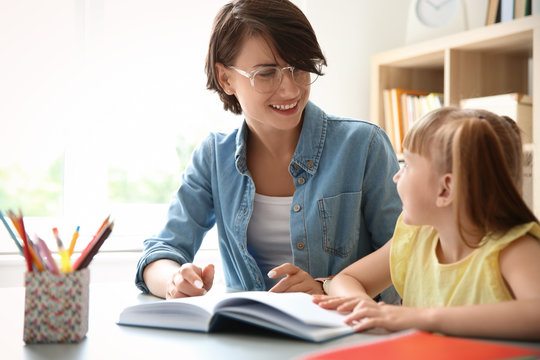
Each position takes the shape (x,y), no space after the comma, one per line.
(350,32)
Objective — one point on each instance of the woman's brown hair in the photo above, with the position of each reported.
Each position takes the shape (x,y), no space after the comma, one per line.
(483,152)
(279,21)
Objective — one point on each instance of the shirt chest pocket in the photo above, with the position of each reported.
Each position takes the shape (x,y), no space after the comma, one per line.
(340,221)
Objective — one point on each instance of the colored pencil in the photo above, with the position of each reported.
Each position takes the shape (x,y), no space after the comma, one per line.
(46,254)
(91,250)
(11,233)
(18,222)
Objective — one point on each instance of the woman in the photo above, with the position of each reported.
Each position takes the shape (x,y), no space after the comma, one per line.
(296,194)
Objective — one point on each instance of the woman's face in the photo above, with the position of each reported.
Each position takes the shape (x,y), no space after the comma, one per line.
(280,110)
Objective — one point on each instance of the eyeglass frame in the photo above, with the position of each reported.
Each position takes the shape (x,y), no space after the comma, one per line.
(251,75)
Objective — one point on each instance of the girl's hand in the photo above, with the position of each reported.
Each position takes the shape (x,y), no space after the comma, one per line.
(367,315)
(190,280)
(295,280)
(340,303)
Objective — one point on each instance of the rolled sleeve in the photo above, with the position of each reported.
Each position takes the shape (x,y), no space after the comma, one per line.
(382,205)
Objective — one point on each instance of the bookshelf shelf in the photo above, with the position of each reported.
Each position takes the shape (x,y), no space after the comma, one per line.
(496,59)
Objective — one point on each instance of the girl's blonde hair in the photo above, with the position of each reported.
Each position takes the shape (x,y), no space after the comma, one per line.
(483,152)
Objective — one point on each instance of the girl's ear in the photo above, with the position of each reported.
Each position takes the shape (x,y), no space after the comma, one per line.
(223,78)
(446,191)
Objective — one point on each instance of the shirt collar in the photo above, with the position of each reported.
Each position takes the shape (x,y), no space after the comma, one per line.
(311,142)
(308,150)
(241,148)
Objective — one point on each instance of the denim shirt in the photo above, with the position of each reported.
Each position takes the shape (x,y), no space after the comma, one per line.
(344,207)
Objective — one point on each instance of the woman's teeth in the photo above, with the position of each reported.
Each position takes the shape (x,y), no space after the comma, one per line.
(284,107)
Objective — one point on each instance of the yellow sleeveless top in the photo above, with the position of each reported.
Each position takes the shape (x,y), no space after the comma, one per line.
(476,279)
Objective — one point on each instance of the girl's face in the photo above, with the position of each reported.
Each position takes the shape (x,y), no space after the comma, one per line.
(280,110)
(418,186)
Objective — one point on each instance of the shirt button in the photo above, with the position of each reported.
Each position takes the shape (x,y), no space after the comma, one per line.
(297,208)
(300,246)
(310,164)
(301,181)
(296,166)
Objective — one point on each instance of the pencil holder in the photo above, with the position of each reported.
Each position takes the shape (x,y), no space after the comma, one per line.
(56,306)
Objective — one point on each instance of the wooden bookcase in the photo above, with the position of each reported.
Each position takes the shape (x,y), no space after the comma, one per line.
(496,59)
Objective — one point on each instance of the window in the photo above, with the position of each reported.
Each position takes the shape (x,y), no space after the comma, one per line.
(103,102)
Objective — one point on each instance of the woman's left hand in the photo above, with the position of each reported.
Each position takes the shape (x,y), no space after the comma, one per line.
(367,315)
(295,280)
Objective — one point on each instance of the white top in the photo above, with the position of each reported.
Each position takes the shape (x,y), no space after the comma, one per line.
(269,235)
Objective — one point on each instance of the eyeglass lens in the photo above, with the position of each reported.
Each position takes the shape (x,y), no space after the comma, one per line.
(268,79)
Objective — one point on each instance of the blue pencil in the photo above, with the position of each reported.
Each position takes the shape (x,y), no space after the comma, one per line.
(11,232)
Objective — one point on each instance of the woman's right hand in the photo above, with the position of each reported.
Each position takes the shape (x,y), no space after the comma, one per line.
(190,280)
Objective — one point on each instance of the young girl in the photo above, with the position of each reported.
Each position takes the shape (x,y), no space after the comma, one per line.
(465,255)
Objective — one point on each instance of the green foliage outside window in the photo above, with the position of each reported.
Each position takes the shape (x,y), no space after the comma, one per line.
(38,193)
(41,193)
(149,188)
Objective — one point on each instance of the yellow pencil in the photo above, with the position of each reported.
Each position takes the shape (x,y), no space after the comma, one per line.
(65,263)
(73,241)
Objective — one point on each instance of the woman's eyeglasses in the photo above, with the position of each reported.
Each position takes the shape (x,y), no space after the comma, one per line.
(267,79)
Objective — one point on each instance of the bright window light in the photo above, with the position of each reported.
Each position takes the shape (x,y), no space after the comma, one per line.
(102,104)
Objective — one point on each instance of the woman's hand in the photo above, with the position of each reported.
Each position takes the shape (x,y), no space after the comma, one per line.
(190,280)
(295,280)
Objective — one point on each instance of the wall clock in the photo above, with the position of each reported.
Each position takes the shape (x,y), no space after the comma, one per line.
(434,18)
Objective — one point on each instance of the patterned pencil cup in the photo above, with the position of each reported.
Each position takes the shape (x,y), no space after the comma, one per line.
(56,306)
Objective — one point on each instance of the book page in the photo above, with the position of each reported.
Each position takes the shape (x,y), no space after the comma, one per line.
(272,318)
(193,313)
(296,305)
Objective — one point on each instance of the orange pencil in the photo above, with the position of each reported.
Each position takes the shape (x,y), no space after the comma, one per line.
(15,220)
(105,222)
(35,257)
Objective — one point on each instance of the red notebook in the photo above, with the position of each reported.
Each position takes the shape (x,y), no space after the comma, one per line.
(420,345)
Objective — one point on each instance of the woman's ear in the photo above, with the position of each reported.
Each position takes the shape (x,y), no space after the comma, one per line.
(223,78)
(446,193)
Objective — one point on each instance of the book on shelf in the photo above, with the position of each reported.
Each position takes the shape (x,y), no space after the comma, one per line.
(402,107)
(522,8)
(419,345)
(292,314)
(493,12)
(506,10)
(514,105)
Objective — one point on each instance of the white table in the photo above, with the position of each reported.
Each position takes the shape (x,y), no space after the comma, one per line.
(107,340)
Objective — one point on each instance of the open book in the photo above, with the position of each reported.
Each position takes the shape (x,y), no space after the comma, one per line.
(293,314)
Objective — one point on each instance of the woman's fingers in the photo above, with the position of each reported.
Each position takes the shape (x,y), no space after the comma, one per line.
(188,281)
